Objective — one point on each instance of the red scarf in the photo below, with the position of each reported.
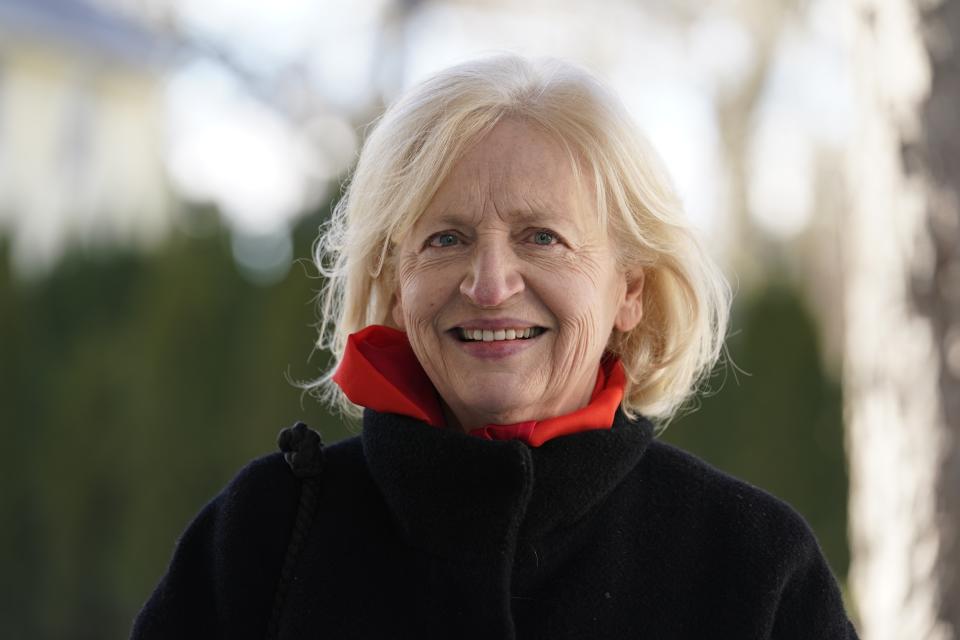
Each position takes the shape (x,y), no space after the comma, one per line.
(380,371)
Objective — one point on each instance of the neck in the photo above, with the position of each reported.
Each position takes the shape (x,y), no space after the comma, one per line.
(465,418)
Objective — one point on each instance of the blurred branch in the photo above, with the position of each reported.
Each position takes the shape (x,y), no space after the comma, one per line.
(736,112)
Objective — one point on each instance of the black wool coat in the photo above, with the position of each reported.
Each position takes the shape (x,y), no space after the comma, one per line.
(410,531)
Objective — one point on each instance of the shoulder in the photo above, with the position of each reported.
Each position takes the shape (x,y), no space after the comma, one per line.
(265,493)
(258,506)
(745,530)
(261,481)
(718,497)
(754,544)
(226,566)
(269,477)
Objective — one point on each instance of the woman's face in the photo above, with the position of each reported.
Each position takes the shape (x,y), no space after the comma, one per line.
(508,288)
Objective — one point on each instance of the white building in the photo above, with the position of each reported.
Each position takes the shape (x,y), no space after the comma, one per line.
(81,131)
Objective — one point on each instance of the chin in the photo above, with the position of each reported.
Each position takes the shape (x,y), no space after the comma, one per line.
(503,408)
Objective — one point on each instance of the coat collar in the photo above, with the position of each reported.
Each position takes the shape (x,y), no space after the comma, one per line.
(459,496)
(379,371)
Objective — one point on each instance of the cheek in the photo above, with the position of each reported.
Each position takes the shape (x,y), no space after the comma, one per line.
(578,312)
(584,304)
(420,302)
(423,312)
(583,318)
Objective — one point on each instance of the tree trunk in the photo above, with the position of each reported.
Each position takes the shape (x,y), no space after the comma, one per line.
(902,353)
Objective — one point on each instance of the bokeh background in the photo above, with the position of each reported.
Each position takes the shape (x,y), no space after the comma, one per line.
(164,168)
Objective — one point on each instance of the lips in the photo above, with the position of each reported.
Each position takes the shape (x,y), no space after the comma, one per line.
(497,335)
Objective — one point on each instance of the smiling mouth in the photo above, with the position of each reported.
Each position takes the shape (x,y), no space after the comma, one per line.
(497,335)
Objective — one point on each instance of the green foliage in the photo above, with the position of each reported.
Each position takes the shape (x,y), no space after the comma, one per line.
(132,387)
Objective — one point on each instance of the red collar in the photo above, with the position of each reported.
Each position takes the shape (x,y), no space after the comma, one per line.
(380,371)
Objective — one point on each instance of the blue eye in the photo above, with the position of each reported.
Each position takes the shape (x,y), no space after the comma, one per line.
(544,238)
(443,240)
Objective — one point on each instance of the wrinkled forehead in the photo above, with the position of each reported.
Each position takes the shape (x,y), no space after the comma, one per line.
(516,171)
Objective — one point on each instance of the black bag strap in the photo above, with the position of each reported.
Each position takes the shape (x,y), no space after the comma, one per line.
(302,448)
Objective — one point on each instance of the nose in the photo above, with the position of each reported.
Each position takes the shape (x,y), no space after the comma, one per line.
(493,275)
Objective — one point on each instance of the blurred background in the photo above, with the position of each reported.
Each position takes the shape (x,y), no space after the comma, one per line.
(165,165)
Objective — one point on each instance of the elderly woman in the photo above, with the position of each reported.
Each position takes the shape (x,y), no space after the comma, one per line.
(515,299)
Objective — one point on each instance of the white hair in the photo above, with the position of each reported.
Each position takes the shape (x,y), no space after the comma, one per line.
(412,149)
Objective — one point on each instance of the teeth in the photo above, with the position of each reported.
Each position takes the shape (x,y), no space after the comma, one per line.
(490,335)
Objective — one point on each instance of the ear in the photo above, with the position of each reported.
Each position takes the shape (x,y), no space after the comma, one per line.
(396,311)
(631,307)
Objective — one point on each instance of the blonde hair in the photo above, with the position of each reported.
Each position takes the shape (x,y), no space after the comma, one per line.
(412,149)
